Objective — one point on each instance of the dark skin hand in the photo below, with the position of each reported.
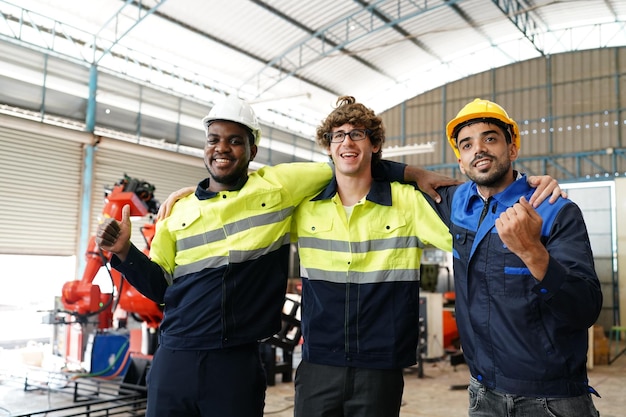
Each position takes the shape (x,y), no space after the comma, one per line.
(113,236)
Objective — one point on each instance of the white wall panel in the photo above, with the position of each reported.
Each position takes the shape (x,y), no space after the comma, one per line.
(595,200)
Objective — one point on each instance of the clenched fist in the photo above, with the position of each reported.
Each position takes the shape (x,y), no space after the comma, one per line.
(519,228)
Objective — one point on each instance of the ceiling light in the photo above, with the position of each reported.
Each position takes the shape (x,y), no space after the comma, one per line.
(408,149)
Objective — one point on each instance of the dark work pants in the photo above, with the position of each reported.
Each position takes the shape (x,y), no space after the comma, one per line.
(332,391)
(206,383)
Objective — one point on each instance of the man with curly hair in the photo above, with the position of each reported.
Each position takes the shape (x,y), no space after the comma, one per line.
(360,242)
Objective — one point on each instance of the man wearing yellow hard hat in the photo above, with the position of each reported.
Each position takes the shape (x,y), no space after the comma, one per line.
(526,287)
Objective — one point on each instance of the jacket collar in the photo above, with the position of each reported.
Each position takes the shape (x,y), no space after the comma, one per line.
(506,198)
(380,192)
(203,193)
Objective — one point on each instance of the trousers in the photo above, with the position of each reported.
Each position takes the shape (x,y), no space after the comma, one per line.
(484,402)
(336,391)
(206,383)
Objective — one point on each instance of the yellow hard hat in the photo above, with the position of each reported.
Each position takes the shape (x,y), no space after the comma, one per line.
(480,109)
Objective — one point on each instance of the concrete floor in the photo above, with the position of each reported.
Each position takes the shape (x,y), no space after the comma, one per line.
(442,391)
(439,393)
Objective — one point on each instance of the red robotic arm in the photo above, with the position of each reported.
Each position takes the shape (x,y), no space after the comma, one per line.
(82,298)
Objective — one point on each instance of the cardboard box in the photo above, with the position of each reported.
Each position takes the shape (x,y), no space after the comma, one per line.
(600,346)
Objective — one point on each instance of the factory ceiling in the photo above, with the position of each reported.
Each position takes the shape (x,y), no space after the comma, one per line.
(292,59)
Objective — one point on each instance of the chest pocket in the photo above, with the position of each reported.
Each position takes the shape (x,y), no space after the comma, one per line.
(262,210)
(508,275)
(318,228)
(461,247)
(388,225)
(185,225)
(263,201)
(391,242)
(259,220)
(462,241)
(183,220)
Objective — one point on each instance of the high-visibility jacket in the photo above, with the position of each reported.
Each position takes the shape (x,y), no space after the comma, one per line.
(219,263)
(519,335)
(360,299)
(221,259)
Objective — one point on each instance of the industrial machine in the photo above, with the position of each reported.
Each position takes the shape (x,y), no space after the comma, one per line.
(439,333)
(97,336)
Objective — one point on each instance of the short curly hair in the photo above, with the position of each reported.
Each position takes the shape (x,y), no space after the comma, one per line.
(347,110)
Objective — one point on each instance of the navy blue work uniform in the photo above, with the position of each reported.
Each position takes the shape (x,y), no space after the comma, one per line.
(521,337)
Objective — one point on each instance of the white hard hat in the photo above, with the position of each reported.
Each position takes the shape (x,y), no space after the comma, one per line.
(237,110)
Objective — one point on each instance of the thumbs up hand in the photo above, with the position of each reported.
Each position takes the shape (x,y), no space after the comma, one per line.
(114,236)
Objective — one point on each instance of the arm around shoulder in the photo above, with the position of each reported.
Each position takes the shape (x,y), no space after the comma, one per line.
(429,181)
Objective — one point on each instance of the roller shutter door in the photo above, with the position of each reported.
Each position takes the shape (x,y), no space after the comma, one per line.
(40,185)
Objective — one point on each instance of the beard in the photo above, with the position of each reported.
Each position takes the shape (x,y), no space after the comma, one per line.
(494,176)
(233,178)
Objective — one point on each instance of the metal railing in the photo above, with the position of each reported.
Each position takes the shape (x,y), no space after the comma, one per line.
(89,397)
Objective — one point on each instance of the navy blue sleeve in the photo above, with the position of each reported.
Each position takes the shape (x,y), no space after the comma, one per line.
(571,287)
(389,171)
(444,208)
(143,274)
(394,172)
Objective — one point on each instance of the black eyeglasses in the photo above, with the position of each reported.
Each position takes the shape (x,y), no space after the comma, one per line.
(355,134)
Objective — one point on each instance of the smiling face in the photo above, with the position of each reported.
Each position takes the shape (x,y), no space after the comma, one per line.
(352,158)
(486,157)
(227,154)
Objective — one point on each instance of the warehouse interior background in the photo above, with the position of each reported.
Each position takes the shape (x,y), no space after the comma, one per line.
(93,91)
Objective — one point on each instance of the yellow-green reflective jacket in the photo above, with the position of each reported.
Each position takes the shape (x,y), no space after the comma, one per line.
(225,256)
(361,275)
